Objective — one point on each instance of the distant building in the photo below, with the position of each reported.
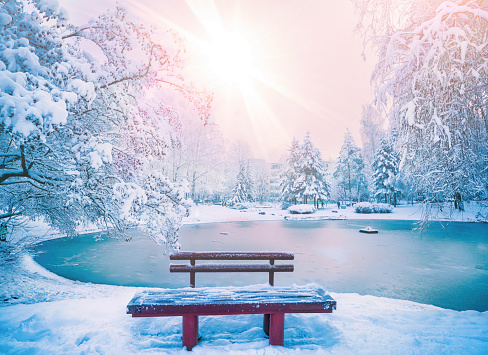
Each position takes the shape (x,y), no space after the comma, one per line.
(275,180)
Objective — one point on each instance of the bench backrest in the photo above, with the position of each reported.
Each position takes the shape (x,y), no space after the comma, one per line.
(271,268)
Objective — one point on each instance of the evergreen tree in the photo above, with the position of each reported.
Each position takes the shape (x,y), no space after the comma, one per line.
(289,176)
(385,170)
(304,175)
(311,179)
(349,169)
(242,192)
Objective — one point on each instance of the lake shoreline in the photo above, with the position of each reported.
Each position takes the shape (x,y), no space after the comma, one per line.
(216,213)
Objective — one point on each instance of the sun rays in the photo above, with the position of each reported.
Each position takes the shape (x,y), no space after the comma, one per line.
(231,56)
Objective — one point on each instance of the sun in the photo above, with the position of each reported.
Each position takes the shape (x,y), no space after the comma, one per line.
(230,57)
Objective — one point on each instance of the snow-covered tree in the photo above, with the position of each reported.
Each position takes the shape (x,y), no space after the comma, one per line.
(431,75)
(289,192)
(197,158)
(304,176)
(372,131)
(243,190)
(349,170)
(40,85)
(311,181)
(385,171)
(79,140)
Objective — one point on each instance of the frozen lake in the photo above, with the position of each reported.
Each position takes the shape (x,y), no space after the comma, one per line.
(446,267)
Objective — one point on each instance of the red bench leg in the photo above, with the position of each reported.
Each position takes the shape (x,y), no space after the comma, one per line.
(190,331)
(276,329)
(266,324)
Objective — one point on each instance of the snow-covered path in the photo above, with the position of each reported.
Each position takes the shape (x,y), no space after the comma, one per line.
(42,313)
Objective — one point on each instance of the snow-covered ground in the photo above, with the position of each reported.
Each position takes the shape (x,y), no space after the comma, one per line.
(215,213)
(42,313)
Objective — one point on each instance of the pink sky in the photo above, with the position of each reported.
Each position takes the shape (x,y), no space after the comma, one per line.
(314,76)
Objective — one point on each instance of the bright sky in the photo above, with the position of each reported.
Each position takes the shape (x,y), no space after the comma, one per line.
(279,68)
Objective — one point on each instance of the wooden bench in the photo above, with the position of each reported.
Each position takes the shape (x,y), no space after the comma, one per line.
(273,302)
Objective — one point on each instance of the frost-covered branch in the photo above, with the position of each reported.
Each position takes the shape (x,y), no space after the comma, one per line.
(79,31)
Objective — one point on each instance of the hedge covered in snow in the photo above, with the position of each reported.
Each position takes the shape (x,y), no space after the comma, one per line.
(301,209)
(367,207)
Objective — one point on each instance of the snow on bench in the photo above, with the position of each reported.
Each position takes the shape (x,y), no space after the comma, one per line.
(259,299)
(192,302)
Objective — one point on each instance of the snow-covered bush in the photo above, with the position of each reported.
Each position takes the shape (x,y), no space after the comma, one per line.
(367,207)
(242,205)
(301,209)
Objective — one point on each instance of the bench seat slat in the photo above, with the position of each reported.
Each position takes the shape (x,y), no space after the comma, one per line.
(231,300)
(225,309)
(230,256)
(230,268)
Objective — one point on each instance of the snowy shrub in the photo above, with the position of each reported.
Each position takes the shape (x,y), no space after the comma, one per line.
(301,209)
(367,207)
(242,206)
(383,208)
(363,207)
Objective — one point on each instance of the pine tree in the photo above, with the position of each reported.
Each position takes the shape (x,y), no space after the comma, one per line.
(385,170)
(305,175)
(288,189)
(349,169)
(242,192)
(311,180)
